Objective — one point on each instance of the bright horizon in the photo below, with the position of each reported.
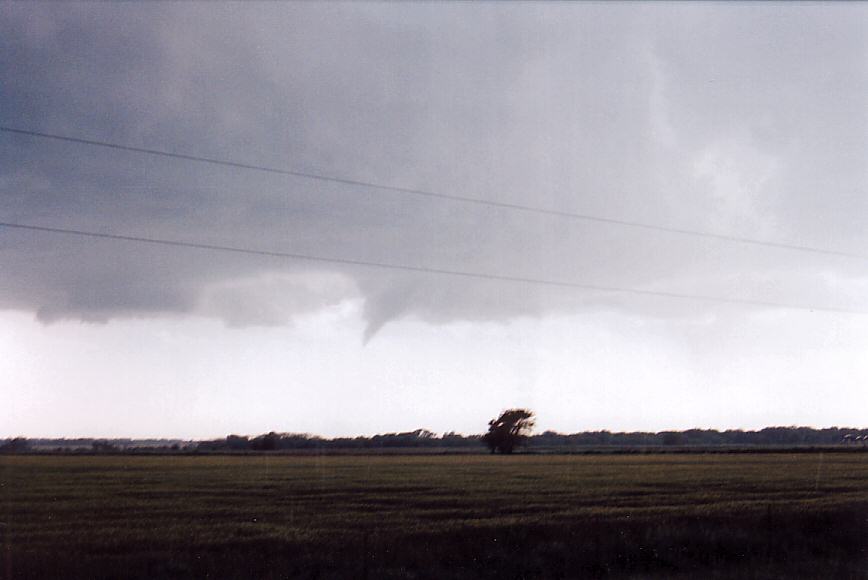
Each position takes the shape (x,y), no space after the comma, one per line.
(537,382)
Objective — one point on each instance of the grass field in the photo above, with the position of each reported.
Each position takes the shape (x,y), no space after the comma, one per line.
(463,516)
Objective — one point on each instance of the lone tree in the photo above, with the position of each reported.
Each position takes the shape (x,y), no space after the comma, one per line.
(509,430)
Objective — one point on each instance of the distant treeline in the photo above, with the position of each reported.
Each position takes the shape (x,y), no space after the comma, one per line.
(277,441)
(25,445)
(422,438)
(775,436)
(700,437)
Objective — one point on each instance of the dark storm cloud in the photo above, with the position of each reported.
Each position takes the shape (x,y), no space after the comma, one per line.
(742,120)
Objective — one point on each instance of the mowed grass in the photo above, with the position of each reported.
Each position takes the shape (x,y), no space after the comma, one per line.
(450,516)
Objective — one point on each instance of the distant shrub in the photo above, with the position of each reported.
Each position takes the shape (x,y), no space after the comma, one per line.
(17,445)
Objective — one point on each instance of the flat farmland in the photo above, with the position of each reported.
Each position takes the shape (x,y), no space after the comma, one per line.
(435,516)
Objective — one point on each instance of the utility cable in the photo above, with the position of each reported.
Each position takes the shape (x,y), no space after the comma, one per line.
(443,196)
(424,269)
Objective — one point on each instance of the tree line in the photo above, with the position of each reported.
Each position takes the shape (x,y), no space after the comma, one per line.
(770,436)
(423,438)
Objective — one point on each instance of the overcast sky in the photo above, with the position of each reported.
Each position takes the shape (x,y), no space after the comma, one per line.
(745,120)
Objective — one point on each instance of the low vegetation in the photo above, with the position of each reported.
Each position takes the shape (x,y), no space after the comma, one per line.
(451,516)
(423,439)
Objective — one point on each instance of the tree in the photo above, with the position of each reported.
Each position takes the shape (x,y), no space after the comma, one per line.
(673,438)
(17,445)
(509,430)
(267,442)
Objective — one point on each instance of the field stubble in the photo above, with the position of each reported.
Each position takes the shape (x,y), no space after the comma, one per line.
(461,516)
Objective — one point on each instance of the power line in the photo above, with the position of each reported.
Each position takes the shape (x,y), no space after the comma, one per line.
(435,195)
(424,269)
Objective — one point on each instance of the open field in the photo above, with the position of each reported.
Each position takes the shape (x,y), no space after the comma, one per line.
(459,516)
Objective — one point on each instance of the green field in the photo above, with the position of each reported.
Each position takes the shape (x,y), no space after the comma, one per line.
(459,516)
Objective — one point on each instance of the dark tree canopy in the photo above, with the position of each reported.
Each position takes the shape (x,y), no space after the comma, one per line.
(509,430)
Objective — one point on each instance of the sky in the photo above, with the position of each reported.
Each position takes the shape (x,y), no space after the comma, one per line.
(739,120)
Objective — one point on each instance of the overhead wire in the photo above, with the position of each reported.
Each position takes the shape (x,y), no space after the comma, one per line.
(437,195)
(422,269)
